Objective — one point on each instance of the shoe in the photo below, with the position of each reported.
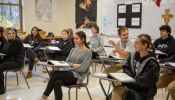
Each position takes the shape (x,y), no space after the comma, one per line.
(2,92)
(46,80)
(40,98)
(29,75)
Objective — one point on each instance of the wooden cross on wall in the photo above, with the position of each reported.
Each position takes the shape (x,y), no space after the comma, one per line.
(167,16)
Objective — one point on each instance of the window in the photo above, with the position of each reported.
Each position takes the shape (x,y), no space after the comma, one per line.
(11,13)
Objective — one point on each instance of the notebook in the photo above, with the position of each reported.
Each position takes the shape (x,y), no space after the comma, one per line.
(167,65)
(53,48)
(122,77)
(57,63)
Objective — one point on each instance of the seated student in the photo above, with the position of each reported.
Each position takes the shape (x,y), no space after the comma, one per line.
(65,45)
(96,42)
(167,79)
(71,35)
(36,42)
(14,58)
(79,60)
(166,42)
(3,41)
(143,67)
(123,47)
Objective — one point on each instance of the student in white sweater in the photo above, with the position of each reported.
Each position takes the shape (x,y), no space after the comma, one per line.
(79,60)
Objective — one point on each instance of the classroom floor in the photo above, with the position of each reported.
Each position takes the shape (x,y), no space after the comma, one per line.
(37,87)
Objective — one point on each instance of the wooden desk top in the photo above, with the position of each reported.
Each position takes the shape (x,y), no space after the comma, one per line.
(46,38)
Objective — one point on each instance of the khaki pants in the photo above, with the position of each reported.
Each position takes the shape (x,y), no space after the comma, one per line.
(118,93)
(114,69)
(167,80)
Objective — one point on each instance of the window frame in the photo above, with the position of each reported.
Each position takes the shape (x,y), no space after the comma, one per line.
(20,11)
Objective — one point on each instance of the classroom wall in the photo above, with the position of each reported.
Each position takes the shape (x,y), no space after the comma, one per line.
(59,10)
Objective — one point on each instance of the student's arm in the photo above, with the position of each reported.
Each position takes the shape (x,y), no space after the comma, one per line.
(26,40)
(170,59)
(147,78)
(155,43)
(66,50)
(85,64)
(13,48)
(122,53)
(40,44)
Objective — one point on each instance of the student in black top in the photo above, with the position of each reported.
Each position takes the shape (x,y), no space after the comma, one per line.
(14,58)
(166,42)
(65,45)
(34,53)
(143,67)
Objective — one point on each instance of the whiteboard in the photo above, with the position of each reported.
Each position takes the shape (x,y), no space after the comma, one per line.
(151,18)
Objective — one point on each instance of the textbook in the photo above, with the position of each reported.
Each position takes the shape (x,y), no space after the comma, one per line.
(57,63)
(121,77)
(53,48)
(27,45)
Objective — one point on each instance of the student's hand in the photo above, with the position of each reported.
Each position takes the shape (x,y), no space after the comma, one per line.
(75,65)
(111,42)
(113,53)
(158,60)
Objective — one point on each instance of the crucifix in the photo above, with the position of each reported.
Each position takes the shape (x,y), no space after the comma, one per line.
(167,16)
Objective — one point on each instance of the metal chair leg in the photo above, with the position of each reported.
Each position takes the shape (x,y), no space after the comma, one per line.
(25,79)
(17,78)
(35,67)
(69,93)
(76,94)
(109,88)
(88,93)
(6,81)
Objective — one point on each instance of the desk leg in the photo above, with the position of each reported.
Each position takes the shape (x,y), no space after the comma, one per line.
(46,69)
(103,89)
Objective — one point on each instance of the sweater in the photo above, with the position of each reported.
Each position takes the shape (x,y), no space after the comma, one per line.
(79,57)
(14,51)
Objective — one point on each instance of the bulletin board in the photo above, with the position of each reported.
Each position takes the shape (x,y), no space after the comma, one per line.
(129,15)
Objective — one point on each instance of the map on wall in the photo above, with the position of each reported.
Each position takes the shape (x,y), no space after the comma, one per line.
(43,10)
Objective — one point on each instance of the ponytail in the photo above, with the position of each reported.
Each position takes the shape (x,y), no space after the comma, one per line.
(86,44)
(152,49)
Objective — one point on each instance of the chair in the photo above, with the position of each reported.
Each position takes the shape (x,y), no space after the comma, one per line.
(78,86)
(15,71)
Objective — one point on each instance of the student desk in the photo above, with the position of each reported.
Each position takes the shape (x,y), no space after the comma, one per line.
(45,64)
(101,85)
(2,54)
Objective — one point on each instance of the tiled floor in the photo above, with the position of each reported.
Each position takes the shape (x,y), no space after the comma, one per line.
(37,87)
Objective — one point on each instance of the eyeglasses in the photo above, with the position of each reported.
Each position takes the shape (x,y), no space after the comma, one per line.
(10,33)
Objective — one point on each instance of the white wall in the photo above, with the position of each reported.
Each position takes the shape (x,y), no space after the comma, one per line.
(59,10)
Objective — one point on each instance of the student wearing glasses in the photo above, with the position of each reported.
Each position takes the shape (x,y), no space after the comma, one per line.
(14,58)
(35,40)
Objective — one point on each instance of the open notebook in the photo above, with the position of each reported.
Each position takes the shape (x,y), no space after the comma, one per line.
(122,77)
(57,63)
(160,52)
(53,48)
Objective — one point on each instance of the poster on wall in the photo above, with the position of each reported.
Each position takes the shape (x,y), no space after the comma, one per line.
(85,13)
(43,10)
